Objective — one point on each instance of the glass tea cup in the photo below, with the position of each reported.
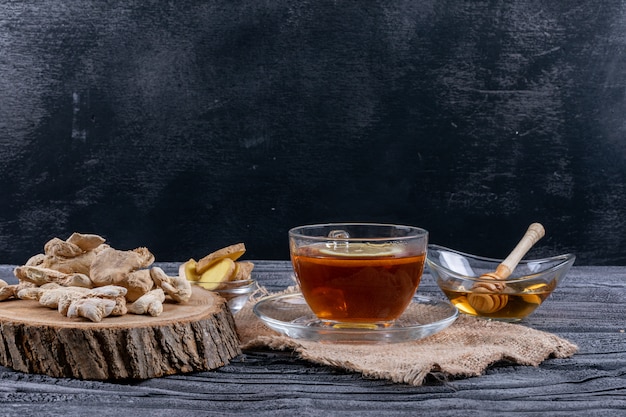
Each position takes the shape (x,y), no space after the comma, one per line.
(358,273)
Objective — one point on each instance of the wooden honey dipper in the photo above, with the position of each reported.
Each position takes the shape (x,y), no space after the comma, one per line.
(486,297)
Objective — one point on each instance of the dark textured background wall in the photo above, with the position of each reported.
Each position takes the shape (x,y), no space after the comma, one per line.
(185,126)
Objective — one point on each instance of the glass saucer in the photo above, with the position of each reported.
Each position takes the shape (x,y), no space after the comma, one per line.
(289,315)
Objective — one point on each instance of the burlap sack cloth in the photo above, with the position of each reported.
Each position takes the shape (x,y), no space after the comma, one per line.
(466,348)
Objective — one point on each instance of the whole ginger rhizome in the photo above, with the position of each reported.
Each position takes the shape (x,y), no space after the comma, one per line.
(85,277)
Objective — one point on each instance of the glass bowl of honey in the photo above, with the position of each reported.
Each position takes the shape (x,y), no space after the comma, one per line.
(460,276)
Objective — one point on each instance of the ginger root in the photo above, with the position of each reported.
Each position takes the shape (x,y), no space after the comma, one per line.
(83,276)
(150,303)
(93,304)
(98,303)
(87,242)
(40,275)
(73,255)
(63,248)
(7,291)
(125,269)
(176,287)
(34,292)
(94,309)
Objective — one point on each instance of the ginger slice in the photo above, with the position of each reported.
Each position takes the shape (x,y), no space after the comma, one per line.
(188,270)
(232,252)
(217,274)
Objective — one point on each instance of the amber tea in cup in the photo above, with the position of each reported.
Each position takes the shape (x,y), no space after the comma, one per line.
(358,272)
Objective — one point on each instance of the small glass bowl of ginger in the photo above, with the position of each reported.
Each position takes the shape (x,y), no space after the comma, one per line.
(228,277)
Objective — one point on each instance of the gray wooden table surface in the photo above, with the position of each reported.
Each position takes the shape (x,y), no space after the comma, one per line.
(589,309)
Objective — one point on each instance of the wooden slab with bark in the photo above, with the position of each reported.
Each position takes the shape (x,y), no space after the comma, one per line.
(195,336)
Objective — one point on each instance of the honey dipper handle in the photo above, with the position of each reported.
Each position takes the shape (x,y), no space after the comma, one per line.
(533,234)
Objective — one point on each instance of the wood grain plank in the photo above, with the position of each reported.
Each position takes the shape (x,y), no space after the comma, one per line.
(277,383)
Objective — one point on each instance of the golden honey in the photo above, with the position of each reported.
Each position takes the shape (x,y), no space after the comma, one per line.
(520,301)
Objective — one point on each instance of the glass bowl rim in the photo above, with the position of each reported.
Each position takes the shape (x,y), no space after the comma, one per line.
(245,284)
(565,259)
